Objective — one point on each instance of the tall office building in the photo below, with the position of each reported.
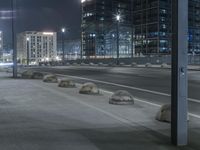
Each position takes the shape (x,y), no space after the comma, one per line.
(99,27)
(34,47)
(194,27)
(1,45)
(145,28)
(152,26)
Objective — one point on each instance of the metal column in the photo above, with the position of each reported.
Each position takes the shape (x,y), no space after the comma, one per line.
(27,52)
(117,42)
(13,4)
(63,49)
(179,89)
(132,31)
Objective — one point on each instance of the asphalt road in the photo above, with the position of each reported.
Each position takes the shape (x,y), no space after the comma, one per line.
(150,84)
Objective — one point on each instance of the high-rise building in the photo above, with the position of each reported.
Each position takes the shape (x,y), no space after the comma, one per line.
(152,26)
(99,27)
(1,45)
(194,27)
(145,28)
(34,47)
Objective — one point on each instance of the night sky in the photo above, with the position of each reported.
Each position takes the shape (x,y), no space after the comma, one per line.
(41,15)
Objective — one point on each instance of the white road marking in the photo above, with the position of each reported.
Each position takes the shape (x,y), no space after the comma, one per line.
(129,87)
(139,100)
(153,104)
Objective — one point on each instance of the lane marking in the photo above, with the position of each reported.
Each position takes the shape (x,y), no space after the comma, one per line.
(125,121)
(129,87)
(139,100)
(136,99)
(153,104)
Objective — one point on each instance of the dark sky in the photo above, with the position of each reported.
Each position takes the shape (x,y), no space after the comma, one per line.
(41,15)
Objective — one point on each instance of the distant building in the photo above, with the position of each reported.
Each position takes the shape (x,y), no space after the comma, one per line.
(34,47)
(1,45)
(145,27)
(194,27)
(72,49)
(8,57)
(99,27)
(153,26)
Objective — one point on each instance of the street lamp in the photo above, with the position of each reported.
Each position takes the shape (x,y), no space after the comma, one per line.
(63,30)
(13,4)
(27,43)
(118,18)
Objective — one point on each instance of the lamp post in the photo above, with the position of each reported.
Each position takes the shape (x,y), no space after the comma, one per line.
(118,17)
(63,30)
(27,48)
(13,3)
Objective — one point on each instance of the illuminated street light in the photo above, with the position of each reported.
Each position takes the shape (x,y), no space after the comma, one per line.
(118,18)
(63,30)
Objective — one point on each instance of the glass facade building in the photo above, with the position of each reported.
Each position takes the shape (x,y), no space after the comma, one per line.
(152,26)
(99,27)
(194,27)
(145,27)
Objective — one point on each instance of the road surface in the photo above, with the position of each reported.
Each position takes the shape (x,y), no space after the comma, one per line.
(150,84)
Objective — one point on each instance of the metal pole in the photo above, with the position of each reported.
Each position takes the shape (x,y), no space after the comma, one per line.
(81,45)
(13,2)
(27,52)
(117,42)
(63,49)
(179,89)
(132,31)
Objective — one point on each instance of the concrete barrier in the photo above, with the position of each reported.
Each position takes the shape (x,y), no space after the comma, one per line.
(50,78)
(37,75)
(121,97)
(122,64)
(27,74)
(148,65)
(91,64)
(164,65)
(89,88)
(66,83)
(134,64)
(164,114)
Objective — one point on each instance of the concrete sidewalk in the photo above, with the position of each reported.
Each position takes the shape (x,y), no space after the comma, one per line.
(40,116)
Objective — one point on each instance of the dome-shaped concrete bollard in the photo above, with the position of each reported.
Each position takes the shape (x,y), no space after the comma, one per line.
(75,64)
(38,75)
(134,64)
(50,79)
(27,74)
(122,64)
(121,97)
(66,83)
(164,65)
(82,64)
(100,64)
(164,114)
(89,88)
(148,65)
